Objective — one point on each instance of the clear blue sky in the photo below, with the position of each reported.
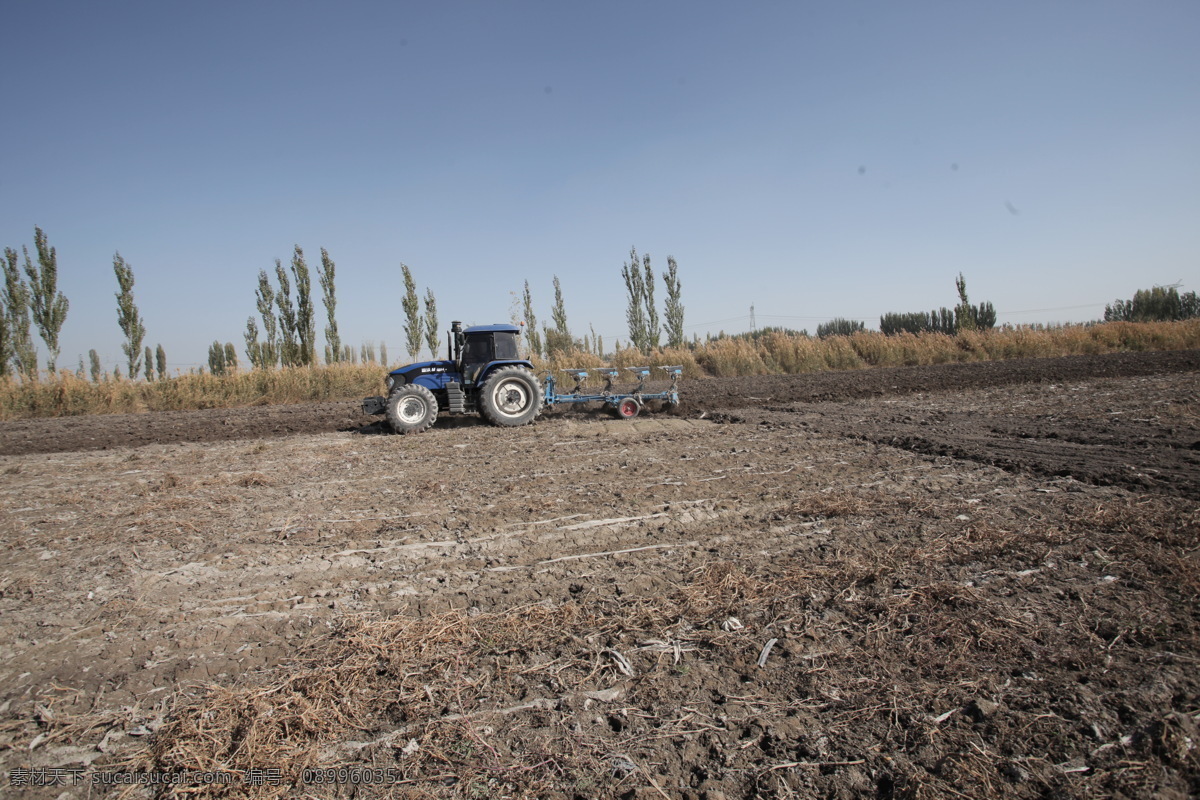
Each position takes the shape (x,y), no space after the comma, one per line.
(810,159)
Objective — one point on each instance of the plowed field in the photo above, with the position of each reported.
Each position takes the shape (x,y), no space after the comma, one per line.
(977,580)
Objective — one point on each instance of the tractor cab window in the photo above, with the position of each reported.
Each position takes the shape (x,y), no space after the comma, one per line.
(506,346)
(478,350)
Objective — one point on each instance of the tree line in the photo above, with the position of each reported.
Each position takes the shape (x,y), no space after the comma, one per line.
(1159,304)
(288,315)
(288,318)
(963,317)
(549,340)
(33,299)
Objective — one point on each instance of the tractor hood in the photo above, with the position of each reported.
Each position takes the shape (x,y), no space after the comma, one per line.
(411,371)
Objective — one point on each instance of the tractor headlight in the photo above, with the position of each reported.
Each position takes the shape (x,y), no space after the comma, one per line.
(390,382)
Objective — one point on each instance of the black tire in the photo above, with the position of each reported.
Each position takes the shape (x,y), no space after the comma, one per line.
(411,409)
(510,396)
(628,408)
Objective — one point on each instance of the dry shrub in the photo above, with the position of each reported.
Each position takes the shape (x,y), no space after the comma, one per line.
(67,395)
(732,357)
(666,357)
(832,504)
(840,353)
(793,355)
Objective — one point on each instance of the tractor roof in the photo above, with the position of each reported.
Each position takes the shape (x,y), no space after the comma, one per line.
(502,328)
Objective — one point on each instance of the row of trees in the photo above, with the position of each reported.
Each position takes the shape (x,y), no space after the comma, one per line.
(641,313)
(287,314)
(29,297)
(148,361)
(1160,304)
(419,329)
(289,326)
(642,317)
(38,302)
(964,316)
(557,339)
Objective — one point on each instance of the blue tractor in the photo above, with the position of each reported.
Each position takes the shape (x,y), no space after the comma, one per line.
(484,373)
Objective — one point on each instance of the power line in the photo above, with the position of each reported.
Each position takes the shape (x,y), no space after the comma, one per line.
(1060,308)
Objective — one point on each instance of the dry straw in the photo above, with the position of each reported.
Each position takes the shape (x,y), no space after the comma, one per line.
(773,353)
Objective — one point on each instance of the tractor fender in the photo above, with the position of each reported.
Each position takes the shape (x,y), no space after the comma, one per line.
(491,366)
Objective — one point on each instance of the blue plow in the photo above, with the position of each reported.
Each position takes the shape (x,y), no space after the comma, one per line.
(625,403)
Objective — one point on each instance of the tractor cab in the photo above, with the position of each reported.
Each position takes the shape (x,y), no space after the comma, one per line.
(480,345)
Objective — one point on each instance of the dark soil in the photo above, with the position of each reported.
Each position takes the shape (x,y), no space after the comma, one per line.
(977,580)
(1111,447)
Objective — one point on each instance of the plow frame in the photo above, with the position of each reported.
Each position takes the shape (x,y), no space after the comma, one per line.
(626,403)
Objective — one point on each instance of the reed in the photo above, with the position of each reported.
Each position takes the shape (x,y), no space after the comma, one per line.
(65,394)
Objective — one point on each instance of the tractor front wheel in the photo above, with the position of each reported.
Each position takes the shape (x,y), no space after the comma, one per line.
(510,396)
(411,409)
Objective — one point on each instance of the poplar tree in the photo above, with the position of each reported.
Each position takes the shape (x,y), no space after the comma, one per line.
(534,337)
(432,334)
(558,338)
(325,275)
(306,330)
(127,315)
(94,364)
(964,320)
(559,312)
(216,358)
(49,306)
(254,348)
(160,356)
(148,364)
(263,354)
(5,342)
(265,297)
(412,314)
(635,310)
(20,351)
(652,328)
(597,341)
(287,318)
(673,306)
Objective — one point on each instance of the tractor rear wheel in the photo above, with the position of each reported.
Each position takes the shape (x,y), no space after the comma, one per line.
(411,409)
(510,396)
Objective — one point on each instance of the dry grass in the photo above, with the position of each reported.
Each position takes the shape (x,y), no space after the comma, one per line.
(776,353)
(68,395)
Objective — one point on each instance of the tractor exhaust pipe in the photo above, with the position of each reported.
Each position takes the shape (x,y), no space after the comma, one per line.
(456,336)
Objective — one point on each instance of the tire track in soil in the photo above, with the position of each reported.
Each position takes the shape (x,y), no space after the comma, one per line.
(1095,436)
(1159,454)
